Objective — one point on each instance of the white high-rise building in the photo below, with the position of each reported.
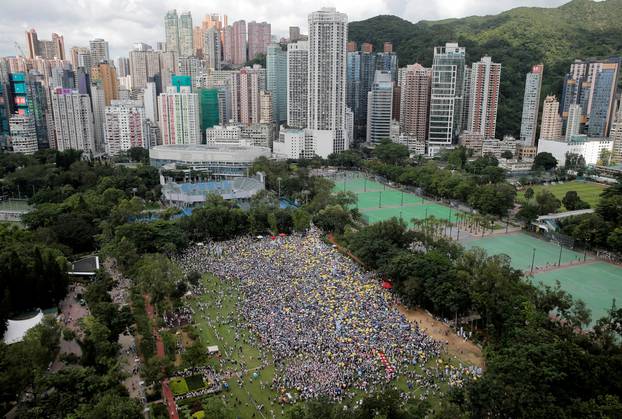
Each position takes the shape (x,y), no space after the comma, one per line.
(23,134)
(326,109)
(447,95)
(192,67)
(186,46)
(179,116)
(297,83)
(171,30)
(211,48)
(551,126)
(124,126)
(380,108)
(531,106)
(73,120)
(573,123)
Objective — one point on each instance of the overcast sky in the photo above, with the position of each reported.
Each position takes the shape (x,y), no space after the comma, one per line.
(124,22)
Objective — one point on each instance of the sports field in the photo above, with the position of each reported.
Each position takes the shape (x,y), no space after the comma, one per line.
(588,191)
(520,247)
(597,284)
(378,202)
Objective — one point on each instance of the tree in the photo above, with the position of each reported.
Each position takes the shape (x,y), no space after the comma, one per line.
(507,154)
(572,201)
(333,219)
(301,219)
(544,161)
(529,193)
(605,157)
(195,355)
(390,152)
(575,162)
(547,202)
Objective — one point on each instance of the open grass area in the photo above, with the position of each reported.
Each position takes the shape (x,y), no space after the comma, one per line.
(597,284)
(588,191)
(378,202)
(520,248)
(178,386)
(242,357)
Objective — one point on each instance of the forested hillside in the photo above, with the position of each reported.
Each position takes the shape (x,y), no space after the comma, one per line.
(517,38)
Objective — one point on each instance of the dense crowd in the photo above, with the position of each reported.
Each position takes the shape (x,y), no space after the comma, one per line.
(326,321)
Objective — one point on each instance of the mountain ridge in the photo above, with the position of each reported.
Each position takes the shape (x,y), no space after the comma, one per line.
(517,38)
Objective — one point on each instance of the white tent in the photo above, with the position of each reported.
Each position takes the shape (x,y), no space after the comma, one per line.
(16,329)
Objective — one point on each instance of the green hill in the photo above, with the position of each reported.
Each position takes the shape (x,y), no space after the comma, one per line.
(517,38)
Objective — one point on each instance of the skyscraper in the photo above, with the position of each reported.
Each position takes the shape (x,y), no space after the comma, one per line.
(227,43)
(144,65)
(328,34)
(573,122)
(446,100)
(551,126)
(191,66)
(297,83)
(171,31)
(531,106)
(186,45)
(239,43)
(124,126)
(276,81)
(54,49)
(379,108)
(415,100)
(32,41)
(99,51)
(484,97)
(123,65)
(73,120)
(150,100)
(294,34)
(107,75)
(211,48)
(246,85)
(179,116)
(208,102)
(602,104)
(259,37)
(23,134)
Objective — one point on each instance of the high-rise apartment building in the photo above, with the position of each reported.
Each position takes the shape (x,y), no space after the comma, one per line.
(124,126)
(239,43)
(123,66)
(227,44)
(98,104)
(484,97)
(415,101)
(186,44)
(380,108)
(294,34)
(551,125)
(106,74)
(99,51)
(531,106)
(171,31)
(265,107)
(54,49)
(210,114)
(616,137)
(79,58)
(573,122)
(73,120)
(297,83)
(211,48)
(179,116)
(23,134)
(144,65)
(192,67)
(276,81)
(246,85)
(446,99)
(328,34)
(150,101)
(259,37)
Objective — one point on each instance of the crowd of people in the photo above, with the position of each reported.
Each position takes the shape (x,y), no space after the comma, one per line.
(181,316)
(322,317)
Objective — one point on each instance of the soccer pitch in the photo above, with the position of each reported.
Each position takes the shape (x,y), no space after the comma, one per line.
(378,202)
(597,284)
(588,191)
(520,248)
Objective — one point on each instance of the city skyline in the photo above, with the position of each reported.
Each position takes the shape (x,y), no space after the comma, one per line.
(122,23)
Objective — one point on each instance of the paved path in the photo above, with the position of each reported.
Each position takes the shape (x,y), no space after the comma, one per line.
(71,312)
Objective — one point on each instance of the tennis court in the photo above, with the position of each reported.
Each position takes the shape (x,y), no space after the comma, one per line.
(597,284)
(378,202)
(520,248)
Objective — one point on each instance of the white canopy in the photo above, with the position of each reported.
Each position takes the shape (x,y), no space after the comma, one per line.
(16,329)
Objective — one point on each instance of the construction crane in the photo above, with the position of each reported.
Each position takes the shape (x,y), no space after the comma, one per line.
(20,49)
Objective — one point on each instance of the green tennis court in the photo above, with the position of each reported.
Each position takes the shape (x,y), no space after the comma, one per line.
(597,284)
(388,198)
(520,248)
(357,185)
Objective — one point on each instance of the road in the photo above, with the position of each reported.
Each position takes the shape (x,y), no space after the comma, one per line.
(70,314)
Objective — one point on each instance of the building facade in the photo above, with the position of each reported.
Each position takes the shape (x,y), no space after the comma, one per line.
(297,83)
(531,105)
(124,126)
(415,101)
(380,108)
(484,97)
(276,81)
(73,120)
(179,116)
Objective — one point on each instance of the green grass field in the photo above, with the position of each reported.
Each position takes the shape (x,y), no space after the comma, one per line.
(597,284)
(588,191)
(378,202)
(520,248)
(245,351)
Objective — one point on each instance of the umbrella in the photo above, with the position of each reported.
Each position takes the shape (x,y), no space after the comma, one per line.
(387,285)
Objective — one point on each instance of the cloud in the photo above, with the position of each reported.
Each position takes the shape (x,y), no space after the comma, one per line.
(124,22)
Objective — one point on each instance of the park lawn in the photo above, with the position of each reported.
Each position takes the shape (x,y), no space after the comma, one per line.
(587,191)
(178,386)
(251,389)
